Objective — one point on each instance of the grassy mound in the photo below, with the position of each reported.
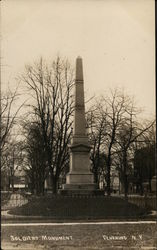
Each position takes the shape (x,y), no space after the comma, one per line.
(60,207)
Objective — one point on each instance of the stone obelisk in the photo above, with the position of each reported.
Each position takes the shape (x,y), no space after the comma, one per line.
(79,180)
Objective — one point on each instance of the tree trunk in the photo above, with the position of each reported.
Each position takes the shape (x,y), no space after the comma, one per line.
(12,183)
(150,186)
(125,165)
(96,176)
(54,183)
(125,185)
(55,186)
(108,180)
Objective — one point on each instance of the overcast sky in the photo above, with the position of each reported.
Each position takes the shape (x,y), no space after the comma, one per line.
(115,38)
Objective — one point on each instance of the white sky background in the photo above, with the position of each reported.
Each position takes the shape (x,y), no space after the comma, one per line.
(115,38)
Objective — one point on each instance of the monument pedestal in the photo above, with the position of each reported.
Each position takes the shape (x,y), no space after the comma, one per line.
(79,180)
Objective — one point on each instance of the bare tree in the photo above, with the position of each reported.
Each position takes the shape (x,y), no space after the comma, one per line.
(8,120)
(96,123)
(131,130)
(8,115)
(144,156)
(115,108)
(35,162)
(113,128)
(12,160)
(51,88)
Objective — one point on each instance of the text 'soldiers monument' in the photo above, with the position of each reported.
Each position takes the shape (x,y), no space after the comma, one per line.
(79,179)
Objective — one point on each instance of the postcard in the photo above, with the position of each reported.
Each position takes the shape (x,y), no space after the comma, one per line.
(78,125)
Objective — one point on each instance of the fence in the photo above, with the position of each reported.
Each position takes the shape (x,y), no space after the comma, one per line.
(144,201)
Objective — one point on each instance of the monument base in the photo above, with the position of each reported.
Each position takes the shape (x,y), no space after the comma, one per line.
(79,186)
(85,189)
(81,192)
(82,178)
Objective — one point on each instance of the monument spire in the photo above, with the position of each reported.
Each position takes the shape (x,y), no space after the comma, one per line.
(79,115)
(79,69)
(79,129)
(79,180)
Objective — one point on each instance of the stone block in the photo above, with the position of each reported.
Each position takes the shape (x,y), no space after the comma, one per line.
(81,178)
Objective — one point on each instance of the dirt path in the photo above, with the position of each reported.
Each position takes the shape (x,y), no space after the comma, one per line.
(80,236)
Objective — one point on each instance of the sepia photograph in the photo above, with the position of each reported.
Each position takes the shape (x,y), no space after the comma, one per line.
(78,125)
